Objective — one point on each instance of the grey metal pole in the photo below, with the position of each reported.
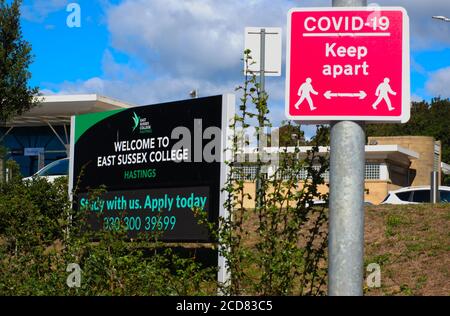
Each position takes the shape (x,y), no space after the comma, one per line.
(262,62)
(346,222)
(262,73)
(349,3)
(434,187)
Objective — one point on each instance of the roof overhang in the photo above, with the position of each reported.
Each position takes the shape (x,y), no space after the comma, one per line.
(372,152)
(57,109)
(389,151)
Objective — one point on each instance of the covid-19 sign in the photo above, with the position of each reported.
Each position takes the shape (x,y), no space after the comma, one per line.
(159,165)
(348,64)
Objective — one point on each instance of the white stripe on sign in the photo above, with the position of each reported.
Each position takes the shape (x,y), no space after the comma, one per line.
(346,34)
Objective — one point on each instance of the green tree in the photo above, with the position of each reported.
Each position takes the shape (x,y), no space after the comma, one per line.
(15,58)
(322,136)
(427,119)
(290,134)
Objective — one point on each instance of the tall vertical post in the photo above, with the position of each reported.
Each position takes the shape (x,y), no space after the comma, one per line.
(262,73)
(262,61)
(434,187)
(346,222)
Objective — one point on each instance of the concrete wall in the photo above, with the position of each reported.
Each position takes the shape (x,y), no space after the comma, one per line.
(250,189)
(400,173)
(375,191)
(423,145)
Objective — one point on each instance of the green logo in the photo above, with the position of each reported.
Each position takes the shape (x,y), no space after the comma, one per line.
(136,121)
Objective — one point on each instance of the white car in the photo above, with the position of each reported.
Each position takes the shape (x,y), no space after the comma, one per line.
(53,170)
(415,195)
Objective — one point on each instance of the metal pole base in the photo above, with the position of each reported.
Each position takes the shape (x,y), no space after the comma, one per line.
(346,222)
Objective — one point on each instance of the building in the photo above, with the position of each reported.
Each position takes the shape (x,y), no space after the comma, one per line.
(391,163)
(42,134)
(428,149)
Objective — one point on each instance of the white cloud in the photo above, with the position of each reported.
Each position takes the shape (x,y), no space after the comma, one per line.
(426,33)
(416,98)
(38,10)
(140,87)
(162,89)
(415,66)
(191,37)
(180,46)
(438,83)
(197,44)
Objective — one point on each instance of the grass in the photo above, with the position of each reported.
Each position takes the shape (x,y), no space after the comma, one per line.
(392,222)
(411,243)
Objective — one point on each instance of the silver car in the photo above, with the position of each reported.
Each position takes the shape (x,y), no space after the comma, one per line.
(53,170)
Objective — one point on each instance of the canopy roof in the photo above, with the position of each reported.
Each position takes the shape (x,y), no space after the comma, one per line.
(57,109)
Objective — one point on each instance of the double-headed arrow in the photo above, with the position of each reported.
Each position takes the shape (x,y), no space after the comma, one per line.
(361,95)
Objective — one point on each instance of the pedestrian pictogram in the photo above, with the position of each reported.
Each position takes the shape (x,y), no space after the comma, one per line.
(304,93)
(383,91)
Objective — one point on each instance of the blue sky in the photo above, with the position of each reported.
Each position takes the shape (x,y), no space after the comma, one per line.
(147,51)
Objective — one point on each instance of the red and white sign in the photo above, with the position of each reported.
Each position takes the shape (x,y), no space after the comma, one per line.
(348,64)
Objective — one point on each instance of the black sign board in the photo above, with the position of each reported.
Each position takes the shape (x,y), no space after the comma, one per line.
(157,162)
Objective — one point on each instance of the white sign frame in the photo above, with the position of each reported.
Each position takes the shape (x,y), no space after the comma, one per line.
(273,52)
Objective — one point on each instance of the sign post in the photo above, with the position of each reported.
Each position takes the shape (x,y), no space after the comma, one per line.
(346,221)
(268,63)
(347,65)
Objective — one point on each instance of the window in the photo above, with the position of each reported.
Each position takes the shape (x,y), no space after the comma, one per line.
(325,175)
(56,168)
(404,196)
(387,196)
(287,174)
(245,173)
(372,171)
(445,196)
(303,174)
(421,196)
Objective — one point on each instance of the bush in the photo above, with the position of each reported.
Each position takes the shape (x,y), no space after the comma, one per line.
(277,248)
(35,251)
(32,212)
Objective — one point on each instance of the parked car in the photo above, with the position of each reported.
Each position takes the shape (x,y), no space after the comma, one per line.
(414,195)
(53,170)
